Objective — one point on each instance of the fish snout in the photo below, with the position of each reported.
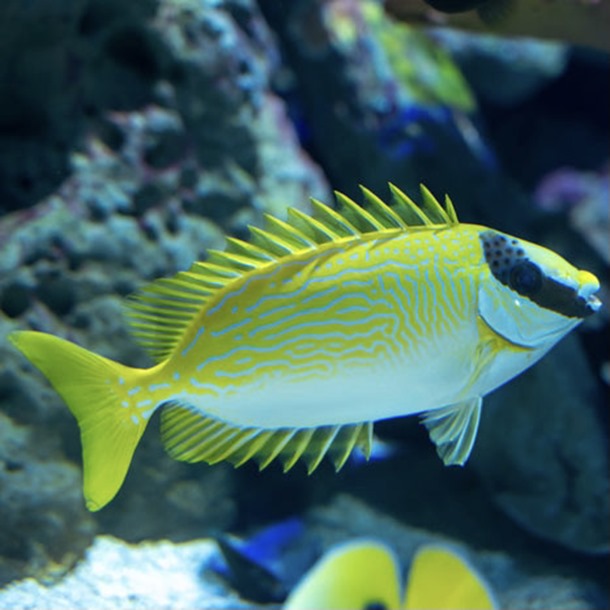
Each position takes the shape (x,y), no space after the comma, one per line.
(589,286)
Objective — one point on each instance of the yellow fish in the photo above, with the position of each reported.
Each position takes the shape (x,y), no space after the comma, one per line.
(362,574)
(290,346)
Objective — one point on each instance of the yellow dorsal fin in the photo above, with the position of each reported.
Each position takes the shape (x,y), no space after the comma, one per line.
(190,436)
(431,212)
(364,221)
(248,250)
(316,230)
(289,232)
(332,219)
(162,311)
(382,210)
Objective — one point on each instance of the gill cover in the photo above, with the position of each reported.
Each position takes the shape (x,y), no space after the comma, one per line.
(532,297)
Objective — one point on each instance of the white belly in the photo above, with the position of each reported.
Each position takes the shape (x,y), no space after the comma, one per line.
(343,392)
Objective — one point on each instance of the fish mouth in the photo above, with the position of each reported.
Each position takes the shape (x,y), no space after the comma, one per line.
(592,303)
(588,294)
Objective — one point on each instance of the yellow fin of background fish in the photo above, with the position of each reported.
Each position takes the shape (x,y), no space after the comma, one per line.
(362,574)
(354,575)
(288,347)
(439,578)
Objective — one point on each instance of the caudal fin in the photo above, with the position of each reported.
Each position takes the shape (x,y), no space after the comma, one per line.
(91,386)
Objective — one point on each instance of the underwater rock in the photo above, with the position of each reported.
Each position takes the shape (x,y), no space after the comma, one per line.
(198,147)
(380,102)
(163,574)
(504,71)
(64,66)
(584,197)
(45,527)
(115,575)
(543,451)
(516,583)
(59,63)
(36,96)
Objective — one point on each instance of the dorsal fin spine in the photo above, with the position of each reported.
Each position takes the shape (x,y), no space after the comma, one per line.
(245,248)
(382,210)
(220,270)
(230,259)
(273,244)
(451,214)
(309,225)
(410,211)
(432,207)
(359,217)
(342,226)
(171,304)
(288,232)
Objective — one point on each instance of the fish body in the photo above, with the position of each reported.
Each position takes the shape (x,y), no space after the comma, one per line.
(336,335)
(290,346)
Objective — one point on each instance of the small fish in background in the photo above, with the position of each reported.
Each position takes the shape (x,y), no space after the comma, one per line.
(365,575)
(288,348)
(254,567)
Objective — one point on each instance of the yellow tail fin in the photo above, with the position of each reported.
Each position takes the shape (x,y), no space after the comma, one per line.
(92,387)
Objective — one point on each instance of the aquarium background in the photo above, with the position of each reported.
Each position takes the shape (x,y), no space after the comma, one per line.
(135,135)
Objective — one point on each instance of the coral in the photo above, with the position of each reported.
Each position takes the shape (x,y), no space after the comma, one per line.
(186,142)
(119,576)
(53,69)
(379,102)
(504,71)
(584,197)
(163,574)
(548,467)
(44,526)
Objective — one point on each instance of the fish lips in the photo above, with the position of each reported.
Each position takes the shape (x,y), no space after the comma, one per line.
(592,304)
(589,299)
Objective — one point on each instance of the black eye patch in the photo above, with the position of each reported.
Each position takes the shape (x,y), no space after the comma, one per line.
(525,278)
(510,265)
(502,254)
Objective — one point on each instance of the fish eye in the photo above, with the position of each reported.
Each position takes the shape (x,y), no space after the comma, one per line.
(525,278)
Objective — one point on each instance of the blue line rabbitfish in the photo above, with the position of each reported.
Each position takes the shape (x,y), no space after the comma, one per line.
(290,346)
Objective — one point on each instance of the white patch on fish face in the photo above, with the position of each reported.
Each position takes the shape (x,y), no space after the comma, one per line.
(532,297)
(520,320)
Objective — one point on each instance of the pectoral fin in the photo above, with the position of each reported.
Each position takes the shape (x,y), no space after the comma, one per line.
(453,429)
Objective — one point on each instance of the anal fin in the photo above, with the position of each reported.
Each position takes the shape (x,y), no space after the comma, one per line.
(191,436)
(453,429)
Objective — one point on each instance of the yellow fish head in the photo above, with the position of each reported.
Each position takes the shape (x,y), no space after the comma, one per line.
(530,295)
